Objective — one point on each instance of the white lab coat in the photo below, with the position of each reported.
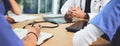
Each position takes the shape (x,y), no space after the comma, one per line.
(96,6)
(69,3)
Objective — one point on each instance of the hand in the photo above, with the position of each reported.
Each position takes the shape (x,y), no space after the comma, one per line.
(78,13)
(10,20)
(68,16)
(35,29)
(30,39)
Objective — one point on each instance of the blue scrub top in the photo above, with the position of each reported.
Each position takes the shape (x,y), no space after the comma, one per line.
(108,20)
(7,36)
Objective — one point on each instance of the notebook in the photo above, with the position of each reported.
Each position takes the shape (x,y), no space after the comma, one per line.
(21,33)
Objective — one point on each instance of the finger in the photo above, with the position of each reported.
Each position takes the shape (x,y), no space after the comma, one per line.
(78,8)
(73,8)
(74,15)
(70,16)
(31,30)
(37,28)
(73,11)
(11,20)
(69,11)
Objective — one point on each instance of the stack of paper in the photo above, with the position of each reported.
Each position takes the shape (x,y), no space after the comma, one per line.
(21,33)
(22,17)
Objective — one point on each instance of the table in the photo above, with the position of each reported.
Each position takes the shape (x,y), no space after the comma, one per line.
(61,36)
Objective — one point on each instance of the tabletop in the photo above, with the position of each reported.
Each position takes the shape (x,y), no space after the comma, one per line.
(61,36)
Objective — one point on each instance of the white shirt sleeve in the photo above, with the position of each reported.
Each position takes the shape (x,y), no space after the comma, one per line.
(91,16)
(68,4)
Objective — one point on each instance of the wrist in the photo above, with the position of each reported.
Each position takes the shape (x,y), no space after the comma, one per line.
(86,16)
(32,33)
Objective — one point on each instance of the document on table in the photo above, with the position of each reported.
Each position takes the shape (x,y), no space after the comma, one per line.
(22,17)
(21,33)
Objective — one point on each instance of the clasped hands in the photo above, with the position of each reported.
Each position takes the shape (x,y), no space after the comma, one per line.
(76,12)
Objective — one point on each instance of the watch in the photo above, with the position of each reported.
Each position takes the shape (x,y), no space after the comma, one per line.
(87,16)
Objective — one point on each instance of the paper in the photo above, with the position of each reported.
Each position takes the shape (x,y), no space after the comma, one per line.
(21,33)
(22,17)
(43,36)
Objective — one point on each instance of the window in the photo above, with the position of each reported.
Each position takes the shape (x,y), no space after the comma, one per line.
(45,6)
(41,6)
(30,6)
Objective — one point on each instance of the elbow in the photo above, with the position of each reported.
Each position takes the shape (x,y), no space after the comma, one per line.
(63,11)
(16,11)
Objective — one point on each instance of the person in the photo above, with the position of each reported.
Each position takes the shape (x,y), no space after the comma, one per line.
(81,8)
(9,38)
(106,22)
(14,7)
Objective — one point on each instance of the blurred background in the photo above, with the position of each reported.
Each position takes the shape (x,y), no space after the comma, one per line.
(41,6)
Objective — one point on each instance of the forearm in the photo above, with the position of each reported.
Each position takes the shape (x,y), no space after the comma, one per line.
(15,7)
(30,40)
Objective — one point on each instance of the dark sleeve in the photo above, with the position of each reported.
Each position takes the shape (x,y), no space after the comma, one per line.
(2,8)
(7,5)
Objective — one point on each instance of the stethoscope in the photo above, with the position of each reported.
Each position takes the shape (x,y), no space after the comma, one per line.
(41,26)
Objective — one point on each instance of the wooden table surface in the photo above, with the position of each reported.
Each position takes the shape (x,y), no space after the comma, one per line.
(61,36)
